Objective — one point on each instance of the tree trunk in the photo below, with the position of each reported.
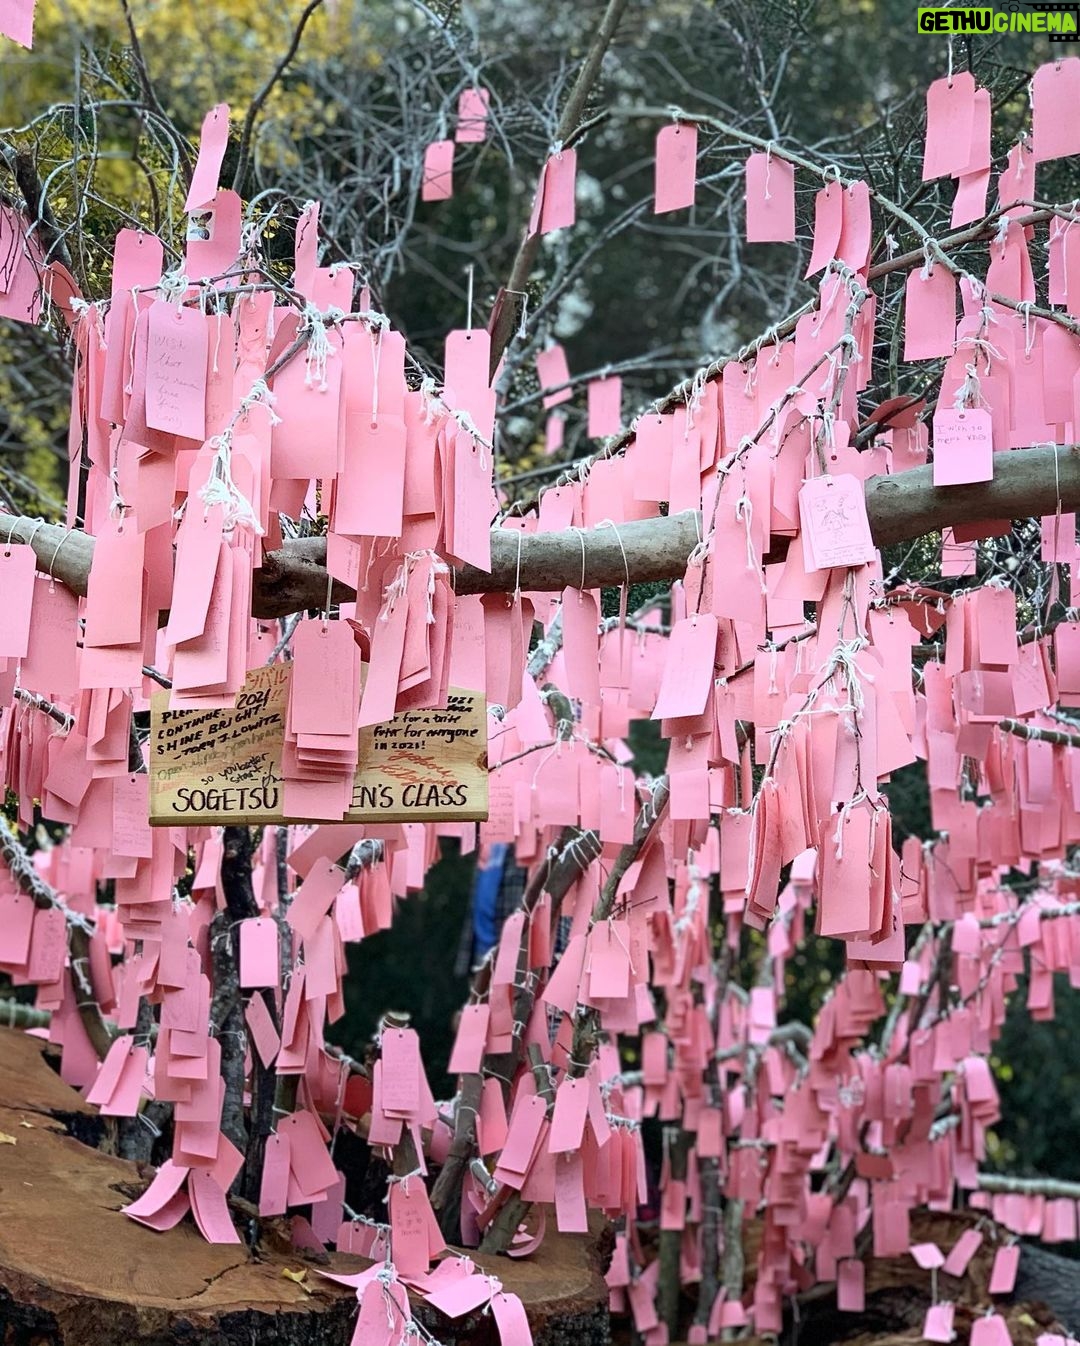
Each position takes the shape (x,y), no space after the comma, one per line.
(74,1271)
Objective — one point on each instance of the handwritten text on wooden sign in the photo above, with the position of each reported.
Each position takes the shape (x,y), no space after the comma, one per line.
(224,766)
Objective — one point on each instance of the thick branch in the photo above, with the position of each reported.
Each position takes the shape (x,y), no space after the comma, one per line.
(1028,483)
(1048,1187)
(504,316)
(1038,734)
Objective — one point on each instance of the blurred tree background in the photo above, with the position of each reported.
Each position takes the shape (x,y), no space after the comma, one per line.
(103,113)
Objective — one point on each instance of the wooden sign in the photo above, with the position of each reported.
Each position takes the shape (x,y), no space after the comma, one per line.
(224,766)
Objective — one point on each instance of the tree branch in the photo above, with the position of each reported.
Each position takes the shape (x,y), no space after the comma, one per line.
(1028,483)
(504,314)
(1048,1187)
(256,105)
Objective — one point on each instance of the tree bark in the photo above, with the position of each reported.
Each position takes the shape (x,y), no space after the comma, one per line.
(1027,483)
(504,315)
(677,1142)
(227,1013)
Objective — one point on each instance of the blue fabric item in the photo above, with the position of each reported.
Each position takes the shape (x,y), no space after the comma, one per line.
(486,883)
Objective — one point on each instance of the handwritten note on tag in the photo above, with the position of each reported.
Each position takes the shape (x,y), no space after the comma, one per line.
(963,446)
(176,371)
(227,763)
(833,515)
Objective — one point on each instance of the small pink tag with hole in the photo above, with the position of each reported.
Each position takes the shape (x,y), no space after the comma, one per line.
(950,115)
(836,529)
(468,1052)
(568,1119)
(770,199)
(17,566)
(963,1250)
(177,343)
(212,143)
(676,167)
(560,178)
(1055,93)
(400,1071)
(929,314)
(259,959)
(1006,1265)
(472,113)
(938,1325)
(438,182)
(605,406)
(263,1033)
(963,446)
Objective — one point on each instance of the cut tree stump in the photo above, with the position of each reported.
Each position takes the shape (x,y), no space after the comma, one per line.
(898,1292)
(74,1271)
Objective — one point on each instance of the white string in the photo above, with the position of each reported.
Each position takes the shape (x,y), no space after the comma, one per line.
(221,489)
(319,349)
(610,523)
(581,538)
(376,359)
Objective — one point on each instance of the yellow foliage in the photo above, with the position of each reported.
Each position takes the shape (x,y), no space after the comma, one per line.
(111,172)
(221,52)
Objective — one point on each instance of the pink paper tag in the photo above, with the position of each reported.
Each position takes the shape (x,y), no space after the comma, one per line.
(963,446)
(472,112)
(408,1227)
(605,406)
(688,671)
(1055,95)
(210,1209)
(1006,1265)
(400,1070)
(438,181)
(17,566)
(263,1033)
(553,372)
(770,199)
(930,314)
(259,959)
(167,1183)
(568,1119)
(511,1320)
(275,1176)
(950,112)
(963,1250)
(832,511)
(927,1255)
(850,1286)
(17,21)
(468,1052)
(560,178)
(212,143)
(938,1325)
(461,1295)
(176,370)
(676,167)
(990,1330)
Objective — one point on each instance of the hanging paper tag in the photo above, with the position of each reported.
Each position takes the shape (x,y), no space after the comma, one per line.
(676,167)
(176,371)
(963,446)
(832,511)
(212,143)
